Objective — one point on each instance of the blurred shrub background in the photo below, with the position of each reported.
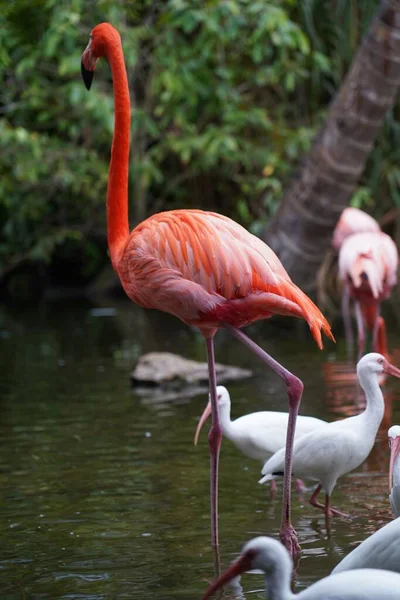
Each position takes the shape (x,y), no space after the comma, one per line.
(226,95)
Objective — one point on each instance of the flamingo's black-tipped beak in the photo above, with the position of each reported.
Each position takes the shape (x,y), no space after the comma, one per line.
(88,64)
(87,76)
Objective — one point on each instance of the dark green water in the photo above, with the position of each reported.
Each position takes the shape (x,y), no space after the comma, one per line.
(104,496)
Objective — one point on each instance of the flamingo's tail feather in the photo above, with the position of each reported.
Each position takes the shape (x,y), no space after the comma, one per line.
(311,313)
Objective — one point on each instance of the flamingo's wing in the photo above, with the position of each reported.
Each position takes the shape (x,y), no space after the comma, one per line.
(208,264)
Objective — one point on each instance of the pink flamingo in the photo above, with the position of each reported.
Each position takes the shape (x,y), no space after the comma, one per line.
(199,266)
(368,269)
(353,220)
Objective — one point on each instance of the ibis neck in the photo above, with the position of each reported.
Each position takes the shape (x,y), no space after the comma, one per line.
(225,420)
(277,583)
(117,189)
(375,407)
(396,472)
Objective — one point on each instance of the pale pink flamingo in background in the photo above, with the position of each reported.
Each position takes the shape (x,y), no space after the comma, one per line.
(199,266)
(331,451)
(353,220)
(269,556)
(368,269)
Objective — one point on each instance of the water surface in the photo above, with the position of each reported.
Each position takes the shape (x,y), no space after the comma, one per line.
(104,496)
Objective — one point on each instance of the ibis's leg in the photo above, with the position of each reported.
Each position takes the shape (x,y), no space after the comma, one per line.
(360,328)
(273,488)
(214,441)
(333,512)
(313,499)
(328,510)
(294,386)
(381,342)
(300,486)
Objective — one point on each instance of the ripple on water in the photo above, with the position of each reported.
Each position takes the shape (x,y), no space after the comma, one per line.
(92,507)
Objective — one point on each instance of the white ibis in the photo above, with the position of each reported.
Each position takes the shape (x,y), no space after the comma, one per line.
(331,451)
(270,556)
(260,434)
(381,550)
(394,470)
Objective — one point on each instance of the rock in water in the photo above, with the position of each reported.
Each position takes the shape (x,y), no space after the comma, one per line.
(160,368)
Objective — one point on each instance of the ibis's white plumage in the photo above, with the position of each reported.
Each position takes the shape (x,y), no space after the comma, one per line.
(394,496)
(382,549)
(271,557)
(339,447)
(260,434)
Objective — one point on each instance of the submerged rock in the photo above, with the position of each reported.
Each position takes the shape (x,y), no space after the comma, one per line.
(161,368)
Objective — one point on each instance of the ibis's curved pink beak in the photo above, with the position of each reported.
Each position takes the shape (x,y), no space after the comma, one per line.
(242,564)
(394,452)
(203,418)
(391,369)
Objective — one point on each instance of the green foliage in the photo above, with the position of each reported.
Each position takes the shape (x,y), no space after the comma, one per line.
(227,95)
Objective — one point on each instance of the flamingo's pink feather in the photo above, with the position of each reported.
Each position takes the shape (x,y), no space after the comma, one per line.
(353,220)
(205,269)
(369,260)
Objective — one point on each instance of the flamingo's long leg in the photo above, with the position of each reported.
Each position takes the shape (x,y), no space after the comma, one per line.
(381,342)
(360,328)
(294,386)
(214,441)
(375,331)
(348,328)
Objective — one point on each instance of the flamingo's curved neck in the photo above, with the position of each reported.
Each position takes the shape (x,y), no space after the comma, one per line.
(375,407)
(117,189)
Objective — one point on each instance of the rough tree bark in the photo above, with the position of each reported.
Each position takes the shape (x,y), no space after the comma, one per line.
(301,231)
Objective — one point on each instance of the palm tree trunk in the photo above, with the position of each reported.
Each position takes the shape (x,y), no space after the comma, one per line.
(301,231)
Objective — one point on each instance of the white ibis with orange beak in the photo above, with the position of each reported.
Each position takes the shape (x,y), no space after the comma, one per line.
(260,434)
(270,556)
(381,550)
(394,470)
(331,451)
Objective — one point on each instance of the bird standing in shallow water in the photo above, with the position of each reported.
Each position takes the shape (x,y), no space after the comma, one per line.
(260,434)
(381,550)
(368,269)
(331,451)
(353,220)
(199,266)
(394,470)
(270,556)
